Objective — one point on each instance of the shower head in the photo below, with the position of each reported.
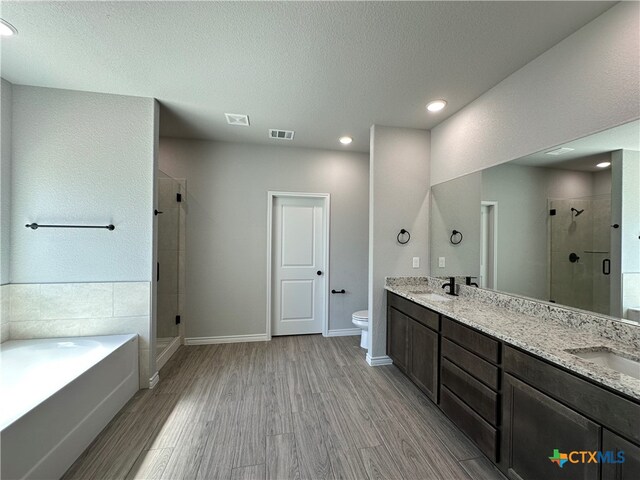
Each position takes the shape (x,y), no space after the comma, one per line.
(575,212)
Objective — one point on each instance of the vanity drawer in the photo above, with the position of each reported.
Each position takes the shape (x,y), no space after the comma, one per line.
(476,342)
(427,317)
(484,435)
(471,363)
(478,396)
(605,407)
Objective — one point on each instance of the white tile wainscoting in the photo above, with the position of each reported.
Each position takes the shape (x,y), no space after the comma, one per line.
(50,310)
(4,313)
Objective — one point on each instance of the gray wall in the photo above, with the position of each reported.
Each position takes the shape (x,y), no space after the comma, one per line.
(398,198)
(5,180)
(82,158)
(456,206)
(602,182)
(226,262)
(585,84)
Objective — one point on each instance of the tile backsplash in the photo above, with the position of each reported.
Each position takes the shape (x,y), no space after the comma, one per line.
(79,309)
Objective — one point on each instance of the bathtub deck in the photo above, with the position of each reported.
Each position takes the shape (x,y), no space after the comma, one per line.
(34,370)
(295,407)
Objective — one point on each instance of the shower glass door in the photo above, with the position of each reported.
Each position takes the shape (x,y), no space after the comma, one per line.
(580,252)
(168,260)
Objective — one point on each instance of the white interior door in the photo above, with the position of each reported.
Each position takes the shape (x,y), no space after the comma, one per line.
(298,265)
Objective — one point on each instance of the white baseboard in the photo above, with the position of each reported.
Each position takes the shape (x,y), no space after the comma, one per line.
(377,361)
(167,353)
(344,332)
(153,381)
(225,339)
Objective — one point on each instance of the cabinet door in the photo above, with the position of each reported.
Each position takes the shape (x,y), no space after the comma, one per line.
(423,359)
(534,426)
(630,468)
(397,334)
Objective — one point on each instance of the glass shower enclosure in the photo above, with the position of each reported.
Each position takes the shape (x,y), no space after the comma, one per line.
(580,252)
(170,267)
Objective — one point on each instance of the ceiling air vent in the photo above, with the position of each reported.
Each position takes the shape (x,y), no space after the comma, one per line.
(560,151)
(237,119)
(281,134)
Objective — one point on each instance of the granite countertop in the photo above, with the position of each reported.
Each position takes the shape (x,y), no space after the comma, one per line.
(546,338)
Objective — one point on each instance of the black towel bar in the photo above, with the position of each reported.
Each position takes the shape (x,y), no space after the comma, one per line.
(35,226)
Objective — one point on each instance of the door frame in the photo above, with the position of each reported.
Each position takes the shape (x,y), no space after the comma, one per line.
(326,197)
(494,214)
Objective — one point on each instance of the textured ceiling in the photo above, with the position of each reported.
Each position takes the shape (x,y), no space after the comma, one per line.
(323,69)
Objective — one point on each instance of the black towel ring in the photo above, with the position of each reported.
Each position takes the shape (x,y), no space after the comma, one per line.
(453,234)
(403,232)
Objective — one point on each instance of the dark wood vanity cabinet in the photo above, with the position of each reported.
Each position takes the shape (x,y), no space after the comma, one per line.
(628,470)
(423,359)
(398,337)
(535,425)
(516,407)
(547,408)
(469,384)
(413,342)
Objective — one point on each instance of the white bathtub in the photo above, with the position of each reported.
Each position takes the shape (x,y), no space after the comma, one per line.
(56,395)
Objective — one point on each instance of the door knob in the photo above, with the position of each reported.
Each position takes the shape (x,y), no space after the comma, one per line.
(319,272)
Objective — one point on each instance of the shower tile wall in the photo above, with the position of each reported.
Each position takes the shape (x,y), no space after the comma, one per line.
(79,309)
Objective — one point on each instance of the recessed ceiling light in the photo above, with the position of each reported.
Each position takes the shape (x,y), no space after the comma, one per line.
(560,151)
(436,105)
(603,164)
(345,140)
(6,29)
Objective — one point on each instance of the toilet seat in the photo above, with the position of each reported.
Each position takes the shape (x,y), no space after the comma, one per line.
(361,315)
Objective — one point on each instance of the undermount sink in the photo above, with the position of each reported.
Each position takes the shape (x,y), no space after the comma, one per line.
(606,358)
(433,297)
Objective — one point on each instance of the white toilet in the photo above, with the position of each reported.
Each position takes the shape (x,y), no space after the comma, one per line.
(361,320)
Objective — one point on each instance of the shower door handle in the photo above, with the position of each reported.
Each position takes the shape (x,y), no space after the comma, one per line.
(606,266)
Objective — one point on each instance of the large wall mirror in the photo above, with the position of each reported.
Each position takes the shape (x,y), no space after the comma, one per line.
(561,225)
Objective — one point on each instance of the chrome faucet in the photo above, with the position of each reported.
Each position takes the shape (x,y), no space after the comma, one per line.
(452,286)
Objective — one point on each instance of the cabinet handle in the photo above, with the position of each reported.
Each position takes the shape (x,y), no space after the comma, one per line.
(338,291)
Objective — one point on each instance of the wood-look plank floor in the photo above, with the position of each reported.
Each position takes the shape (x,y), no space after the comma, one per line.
(304,407)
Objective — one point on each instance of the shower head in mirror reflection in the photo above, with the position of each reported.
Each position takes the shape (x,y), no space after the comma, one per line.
(527,190)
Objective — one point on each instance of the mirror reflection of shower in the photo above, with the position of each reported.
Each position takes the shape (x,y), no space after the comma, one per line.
(580,253)
(576,212)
